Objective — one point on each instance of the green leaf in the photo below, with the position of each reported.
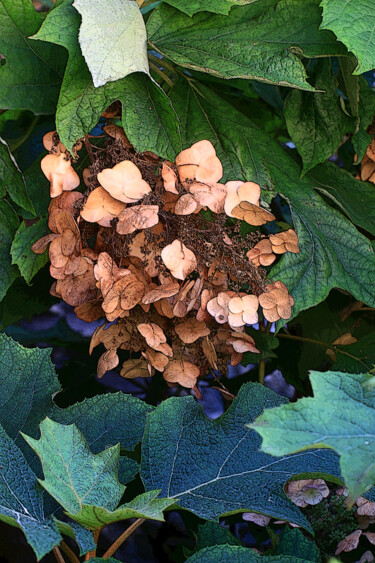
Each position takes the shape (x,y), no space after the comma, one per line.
(259,41)
(82,536)
(145,505)
(353,24)
(345,423)
(332,252)
(37,187)
(204,115)
(361,355)
(101,421)
(201,462)
(366,110)
(11,179)
(212,533)
(294,544)
(356,199)
(27,383)
(316,122)
(148,116)
(22,255)
(21,501)
(191,7)
(8,226)
(72,474)
(113,39)
(236,554)
(266,344)
(31,76)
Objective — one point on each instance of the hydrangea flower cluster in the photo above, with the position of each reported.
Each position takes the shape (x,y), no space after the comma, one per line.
(159,248)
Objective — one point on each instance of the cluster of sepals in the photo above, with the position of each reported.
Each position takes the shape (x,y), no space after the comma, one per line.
(182,286)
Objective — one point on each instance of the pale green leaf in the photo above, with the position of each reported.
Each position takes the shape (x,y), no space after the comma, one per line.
(21,500)
(31,76)
(214,467)
(148,115)
(145,505)
(72,474)
(8,225)
(316,122)
(260,40)
(112,38)
(341,415)
(27,261)
(12,181)
(353,23)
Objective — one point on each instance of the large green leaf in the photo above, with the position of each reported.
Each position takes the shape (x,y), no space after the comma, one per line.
(212,533)
(148,115)
(8,226)
(191,7)
(214,467)
(27,261)
(236,554)
(357,357)
(353,23)
(113,40)
(258,41)
(332,252)
(12,181)
(21,500)
(32,75)
(239,144)
(27,383)
(104,420)
(72,474)
(145,505)
(294,544)
(354,198)
(341,415)
(316,121)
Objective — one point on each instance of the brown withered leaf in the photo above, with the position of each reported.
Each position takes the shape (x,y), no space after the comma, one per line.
(158,360)
(107,361)
(40,245)
(182,372)
(259,519)
(67,201)
(345,340)
(134,368)
(118,134)
(190,330)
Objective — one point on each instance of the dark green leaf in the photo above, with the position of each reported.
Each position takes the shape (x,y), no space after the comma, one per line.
(332,252)
(12,181)
(22,255)
(212,533)
(345,423)
(21,501)
(236,554)
(149,119)
(201,462)
(191,7)
(256,41)
(8,226)
(316,121)
(353,23)
(31,76)
(294,544)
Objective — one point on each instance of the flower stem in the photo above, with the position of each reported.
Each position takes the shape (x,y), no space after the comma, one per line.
(57,554)
(120,540)
(69,553)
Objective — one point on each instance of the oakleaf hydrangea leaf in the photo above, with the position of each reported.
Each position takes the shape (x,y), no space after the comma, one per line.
(21,500)
(27,261)
(31,77)
(72,474)
(341,415)
(191,7)
(215,467)
(259,40)
(353,23)
(145,505)
(9,223)
(11,179)
(112,38)
(148,115)
(236,554)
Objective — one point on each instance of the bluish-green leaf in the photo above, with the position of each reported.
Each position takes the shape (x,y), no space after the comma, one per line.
(27,261)
(214,467)
(236,554)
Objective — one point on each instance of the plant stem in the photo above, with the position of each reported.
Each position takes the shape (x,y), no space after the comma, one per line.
(262,371)
(320,343)
(69,553)
(162,62)
(57,554)
(114,547)
(162,74)
(96,539)
(89,149)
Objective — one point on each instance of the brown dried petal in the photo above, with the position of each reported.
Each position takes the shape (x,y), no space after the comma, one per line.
(134,368)
(153,334)
(349,543)
(124,182)
(252,214)
(190,330)
(109,360)
(137,217)
(182,372)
